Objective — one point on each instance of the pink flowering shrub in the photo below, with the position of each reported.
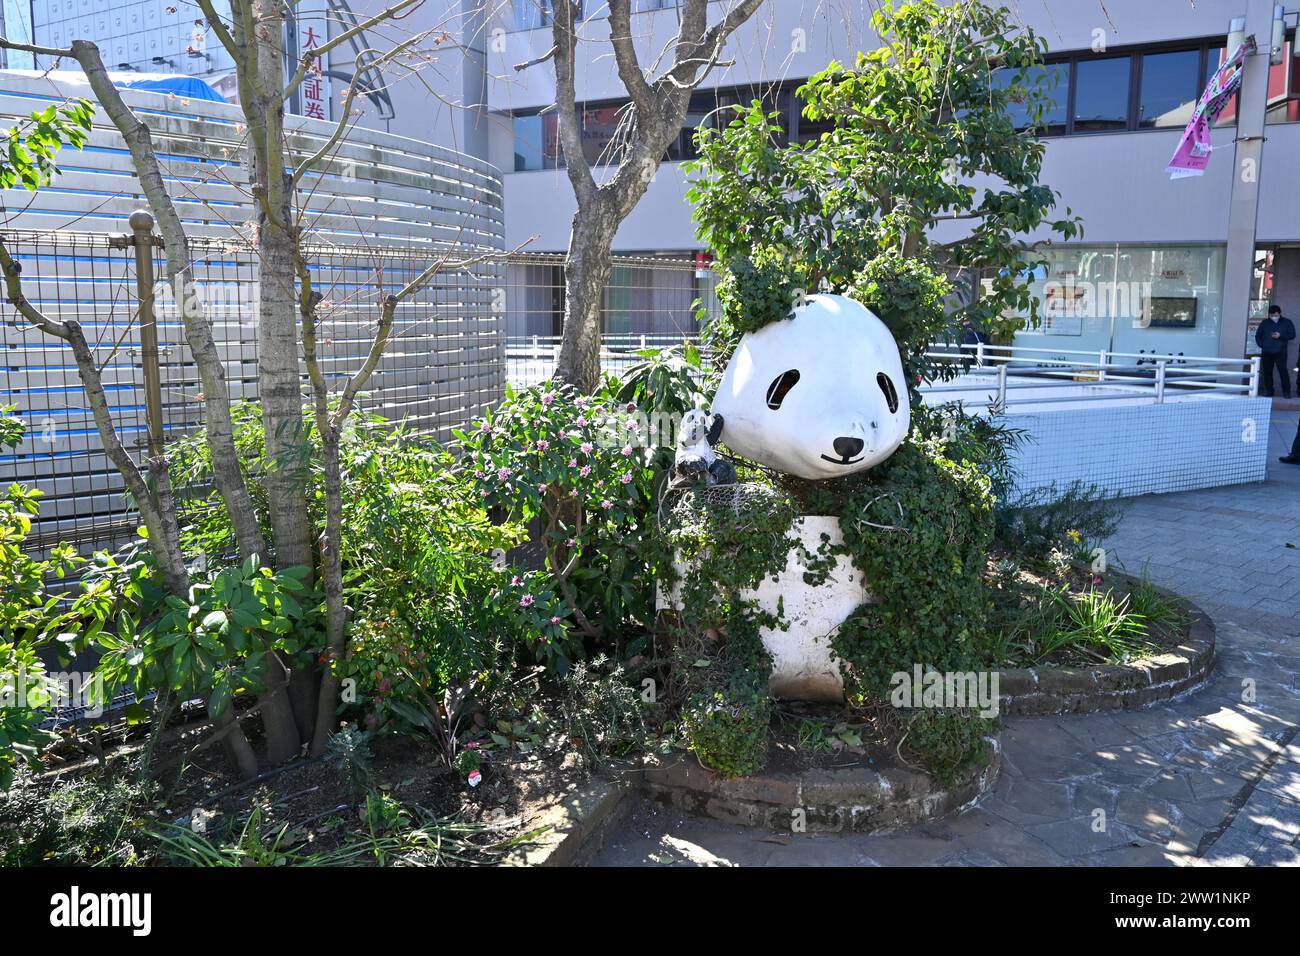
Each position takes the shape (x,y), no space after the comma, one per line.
(575,465)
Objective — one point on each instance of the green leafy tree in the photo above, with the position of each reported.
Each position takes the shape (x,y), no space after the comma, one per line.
(921,136)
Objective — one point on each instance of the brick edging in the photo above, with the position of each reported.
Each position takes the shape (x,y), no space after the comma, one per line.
(1040,691)
(859,799)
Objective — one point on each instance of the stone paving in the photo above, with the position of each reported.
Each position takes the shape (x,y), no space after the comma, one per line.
(1210,779)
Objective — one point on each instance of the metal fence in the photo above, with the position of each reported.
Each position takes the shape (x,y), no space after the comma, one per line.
(531,359)
(443,366)
(379,207)
(988,376)
(1011,377)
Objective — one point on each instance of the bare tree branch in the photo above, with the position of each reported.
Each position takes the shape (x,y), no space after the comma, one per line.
(566,101)
(625,58)
(161,523)
(520,67)
(226,471)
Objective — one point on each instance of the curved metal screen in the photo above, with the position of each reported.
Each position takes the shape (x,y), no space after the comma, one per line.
(380,210)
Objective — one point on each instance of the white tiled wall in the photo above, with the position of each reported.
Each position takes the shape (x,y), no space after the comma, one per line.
(1144,449)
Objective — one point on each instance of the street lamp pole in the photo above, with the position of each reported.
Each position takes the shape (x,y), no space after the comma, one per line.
(1243,206)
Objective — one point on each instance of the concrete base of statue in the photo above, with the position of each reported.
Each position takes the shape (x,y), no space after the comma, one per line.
(804,668)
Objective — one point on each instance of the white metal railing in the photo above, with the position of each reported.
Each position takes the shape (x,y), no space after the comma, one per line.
(999,376)
(1002,376)
(531,358)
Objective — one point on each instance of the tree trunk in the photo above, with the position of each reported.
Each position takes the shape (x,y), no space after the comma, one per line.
(332,579)
(234,743)
(278,373)
(586,273)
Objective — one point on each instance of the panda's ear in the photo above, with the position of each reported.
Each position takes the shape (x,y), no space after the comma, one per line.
(715,430)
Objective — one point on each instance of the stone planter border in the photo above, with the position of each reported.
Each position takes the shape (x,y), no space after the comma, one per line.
(857,799)
(574,830)
(1040,691)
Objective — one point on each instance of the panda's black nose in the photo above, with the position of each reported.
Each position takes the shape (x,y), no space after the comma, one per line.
(846,448)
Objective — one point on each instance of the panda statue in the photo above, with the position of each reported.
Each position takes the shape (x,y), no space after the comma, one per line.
(818,395)
(695,459)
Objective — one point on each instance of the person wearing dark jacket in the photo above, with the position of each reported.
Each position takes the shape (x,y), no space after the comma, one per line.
(973,336)
(1274,337)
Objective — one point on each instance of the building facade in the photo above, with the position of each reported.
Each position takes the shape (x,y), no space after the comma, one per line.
(156,37)
(1164,267)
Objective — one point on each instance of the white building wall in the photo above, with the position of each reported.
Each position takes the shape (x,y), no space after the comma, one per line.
(1115,181)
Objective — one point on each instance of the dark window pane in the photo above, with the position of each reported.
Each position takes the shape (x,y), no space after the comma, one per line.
(1101,97)
(532,14)
(810,130)
(773,101)
(1052,83)
(528,143)
(1169,88)
(701,111)
(537,142)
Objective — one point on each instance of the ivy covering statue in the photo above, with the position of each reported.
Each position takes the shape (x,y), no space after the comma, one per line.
(832,287)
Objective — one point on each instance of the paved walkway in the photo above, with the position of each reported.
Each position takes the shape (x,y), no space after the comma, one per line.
(1213,778)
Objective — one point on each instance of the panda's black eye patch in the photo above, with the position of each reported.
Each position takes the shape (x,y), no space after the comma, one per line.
(891,394)
(780,387)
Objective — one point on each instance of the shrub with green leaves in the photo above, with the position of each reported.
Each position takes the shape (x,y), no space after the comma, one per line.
(32,616)
(601,711)
(432,599)
(84,821)
(1035,523)
(919,528)
(947,743)
(729,729)
(215,642)
(581,468)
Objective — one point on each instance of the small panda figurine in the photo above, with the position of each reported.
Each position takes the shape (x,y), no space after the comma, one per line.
(696,437)
(818,395)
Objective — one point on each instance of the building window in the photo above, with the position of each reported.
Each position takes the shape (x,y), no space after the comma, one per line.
(716,108)
(1132,299)
(1139,89)
(1169,88)
(536,14)
(1052,80)
(537,142)
(1101,94)
(533,14)
(600,134)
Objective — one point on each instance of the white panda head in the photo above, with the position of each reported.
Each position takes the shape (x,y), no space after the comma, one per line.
(818,395)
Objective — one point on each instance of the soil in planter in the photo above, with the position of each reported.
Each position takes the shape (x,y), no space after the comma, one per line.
(310,800)
(808,736)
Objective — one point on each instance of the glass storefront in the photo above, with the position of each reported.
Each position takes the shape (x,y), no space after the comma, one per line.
(1128,298)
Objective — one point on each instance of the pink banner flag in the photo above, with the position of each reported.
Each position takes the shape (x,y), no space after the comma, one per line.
(1193,152)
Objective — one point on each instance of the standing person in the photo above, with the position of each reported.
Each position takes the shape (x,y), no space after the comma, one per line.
(973,336)
(1294,457)
(1274,337)
(971,339)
